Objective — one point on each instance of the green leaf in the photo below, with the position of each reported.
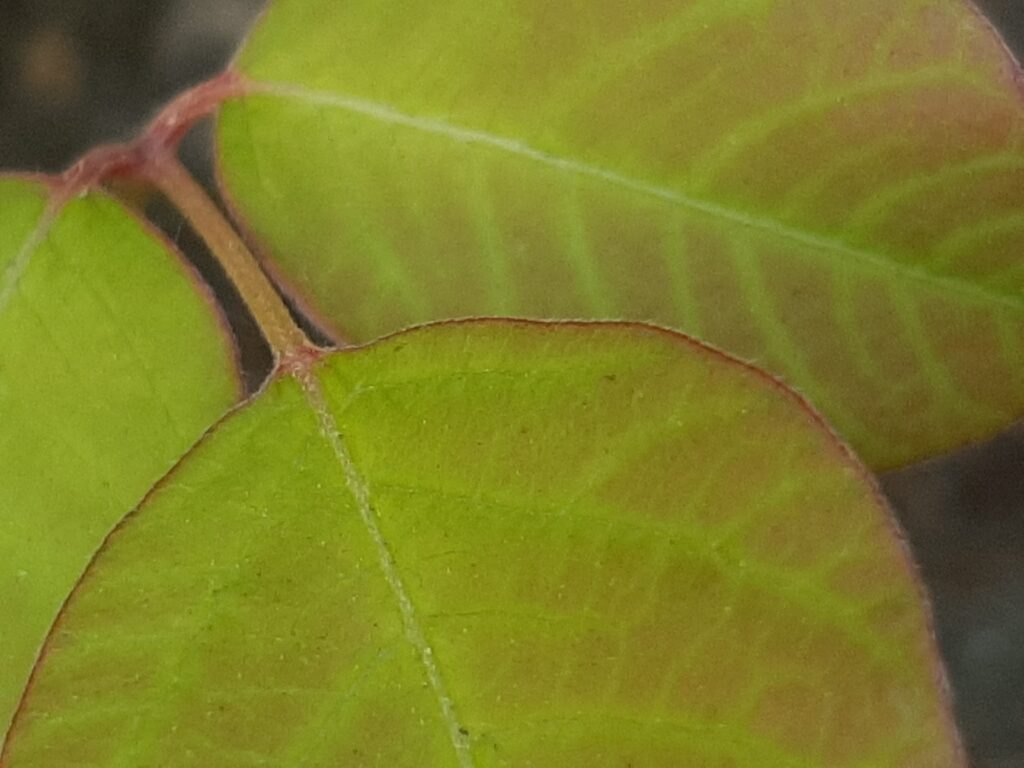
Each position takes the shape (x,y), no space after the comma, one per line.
(501,544)
(112,363)
(832,190)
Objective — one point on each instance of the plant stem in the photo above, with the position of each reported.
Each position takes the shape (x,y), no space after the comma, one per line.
(286,339)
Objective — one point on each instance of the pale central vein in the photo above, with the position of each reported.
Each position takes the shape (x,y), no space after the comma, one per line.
(413,631)
(17,266)
(387,114)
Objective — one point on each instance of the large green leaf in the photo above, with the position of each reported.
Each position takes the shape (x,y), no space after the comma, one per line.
(832,189)
(501,544)
(112,364)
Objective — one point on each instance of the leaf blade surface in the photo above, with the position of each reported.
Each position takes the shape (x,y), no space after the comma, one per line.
(113,361)
(501,543)
(829,192)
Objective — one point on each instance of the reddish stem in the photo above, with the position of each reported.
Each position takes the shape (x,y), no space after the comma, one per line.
(152,157)
(176,119)
(159,139)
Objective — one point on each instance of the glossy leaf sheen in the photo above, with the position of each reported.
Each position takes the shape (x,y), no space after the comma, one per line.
(501,544)
(831,191)
(112,364)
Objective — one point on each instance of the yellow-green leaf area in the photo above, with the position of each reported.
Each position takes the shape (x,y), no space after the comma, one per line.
(830,189)
(113,362)
(501,544)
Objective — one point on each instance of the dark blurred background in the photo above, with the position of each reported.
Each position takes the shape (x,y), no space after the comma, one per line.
(74,73)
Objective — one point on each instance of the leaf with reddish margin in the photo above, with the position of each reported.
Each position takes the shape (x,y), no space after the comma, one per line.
(501,543)
(113,361)
(830,189)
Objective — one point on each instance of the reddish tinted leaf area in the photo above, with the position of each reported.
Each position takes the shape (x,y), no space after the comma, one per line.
(831,189)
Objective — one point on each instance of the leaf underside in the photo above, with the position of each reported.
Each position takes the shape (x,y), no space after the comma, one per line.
(112,363)
(500,544)
(833,192)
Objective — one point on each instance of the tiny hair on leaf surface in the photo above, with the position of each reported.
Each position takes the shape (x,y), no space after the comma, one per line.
(501,543)
(830,189)
(113,361)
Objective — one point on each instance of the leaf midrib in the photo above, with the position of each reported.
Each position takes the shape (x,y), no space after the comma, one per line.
(11,274)
(357,486)
(816,243)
